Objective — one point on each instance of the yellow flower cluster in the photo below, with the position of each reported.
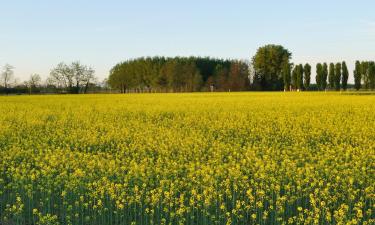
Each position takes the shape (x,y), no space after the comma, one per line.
(204,158)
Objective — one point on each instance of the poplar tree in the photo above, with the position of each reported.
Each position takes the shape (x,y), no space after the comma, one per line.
(337,77)
(299,77)
(345,76)
(318,77)
(331,75)
(371,75)
(324,76)
(286,75)
(307,76)
(357,75)
(294,77)
(365,74)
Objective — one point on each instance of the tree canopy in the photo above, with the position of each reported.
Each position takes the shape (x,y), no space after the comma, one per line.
(179,74)
(268,64)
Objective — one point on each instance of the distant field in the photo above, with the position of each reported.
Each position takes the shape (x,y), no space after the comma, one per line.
(202,158)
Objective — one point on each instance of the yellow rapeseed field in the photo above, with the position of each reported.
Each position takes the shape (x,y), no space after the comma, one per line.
(204,158)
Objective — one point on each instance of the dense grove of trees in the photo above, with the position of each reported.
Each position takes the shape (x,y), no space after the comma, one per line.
(270,69)
(179,74)
(364,75)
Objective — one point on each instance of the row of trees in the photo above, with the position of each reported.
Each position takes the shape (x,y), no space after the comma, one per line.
(296,77)
(273,71)
(269,70)
(64,78)
(364,73)
(335,77)
(179,74)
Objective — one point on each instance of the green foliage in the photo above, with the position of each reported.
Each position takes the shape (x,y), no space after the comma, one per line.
(295,77)
(345,76)
(319,76)
(331,75)
(179,74)
(371,74)
(324,76)
(287,75)
(357,75)
(299,73)
(337,77)
(307,76)
(365,74)
(268,64)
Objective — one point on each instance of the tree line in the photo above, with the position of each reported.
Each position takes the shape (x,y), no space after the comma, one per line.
(274,72)
(71,78)
(364,75)
(270,69)
(334,77)
(179,74)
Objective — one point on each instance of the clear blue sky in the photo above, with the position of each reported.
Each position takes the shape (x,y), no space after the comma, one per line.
(38,34)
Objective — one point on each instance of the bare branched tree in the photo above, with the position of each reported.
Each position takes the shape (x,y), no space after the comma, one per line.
(75,78)
(33,82)
(7,76)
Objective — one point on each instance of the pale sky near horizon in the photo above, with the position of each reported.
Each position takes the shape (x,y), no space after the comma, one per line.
(37,35)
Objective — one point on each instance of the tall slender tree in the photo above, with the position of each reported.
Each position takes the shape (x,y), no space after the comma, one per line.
(365,74)
(286,75)
(331,75)
(294,77)
(299,77)
(307,76)
(371,75)
(337,78)
(345,76)
(324,76)
(319,74)
(357,75)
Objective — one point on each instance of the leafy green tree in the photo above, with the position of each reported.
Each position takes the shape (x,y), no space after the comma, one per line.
(299,77)
(337,77)
(331,75)
(357,75)
(307,76)
(238,76)
(365,74)
(324,76)
(319,75)
(268,65)
(221,78)
(294,77)
(345,76)
(371,75)
(287,75)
